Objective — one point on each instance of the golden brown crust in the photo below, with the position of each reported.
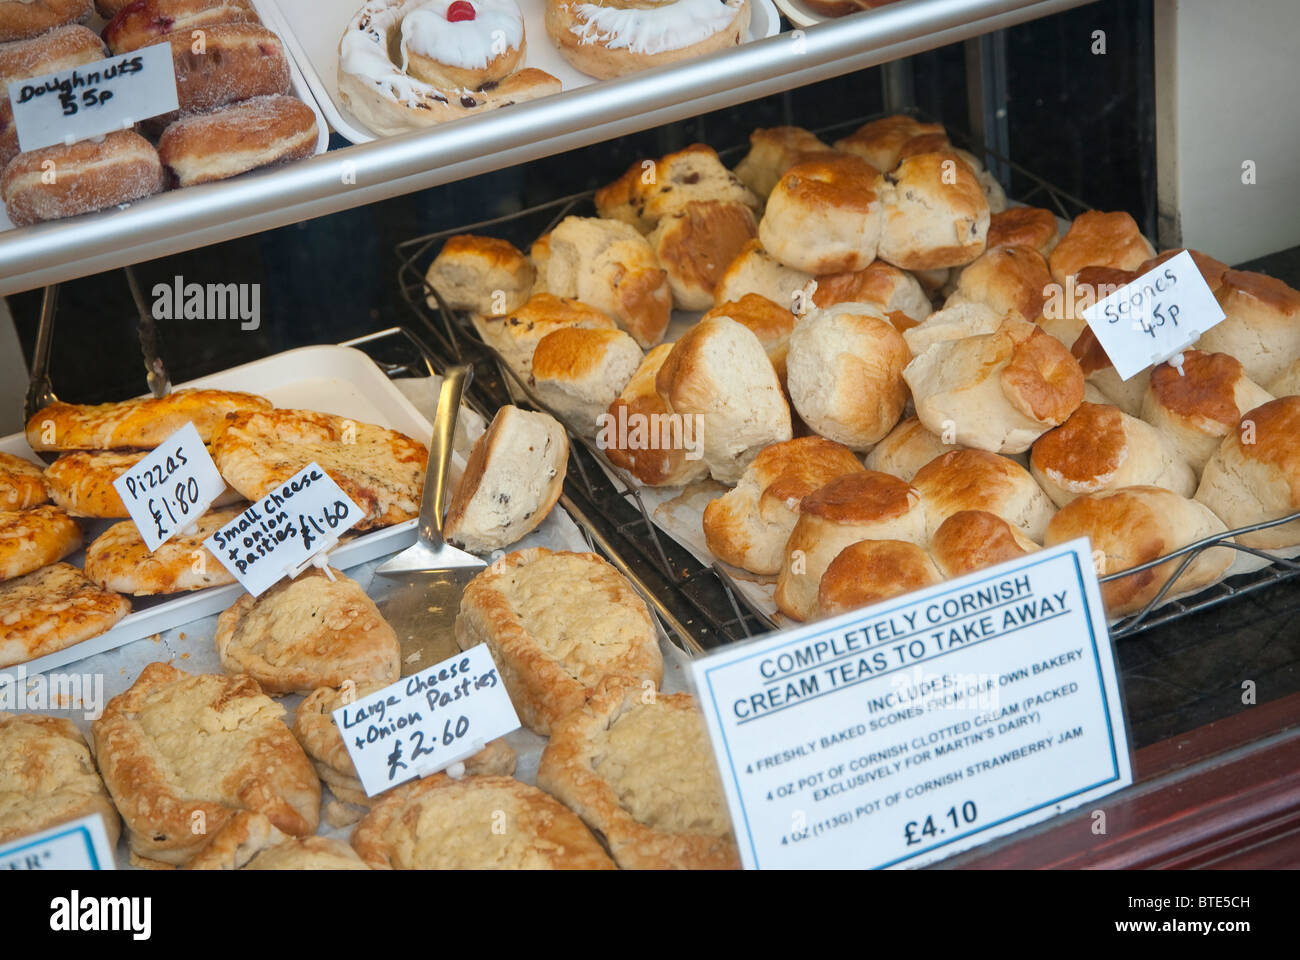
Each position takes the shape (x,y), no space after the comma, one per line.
(934,212)
(30,539)
(146,22)
(82,482)
(1023,227)
(876,283)
(764,318)
(309,632)
(1042,380)
(869,571)
(249,841)
(381,470)
(144,422)
(22,483)
(483,823)
(239,61)
(30,18)
(228,141)
(696,244)
(1278,423)
(1211,270)
(641,775)
(1204,392)
(52,609)
(119,560)
(1101,239)
(182,753)
(1008,279)
(865,497)
(557,623)
(880,141)
(1092,443)
(773,151)
(1089,353)
(834,181)
(1258,290)
(971,540)
(652,464)
(48,777)
(572,352)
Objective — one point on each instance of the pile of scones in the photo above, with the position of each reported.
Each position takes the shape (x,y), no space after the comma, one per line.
(892,373)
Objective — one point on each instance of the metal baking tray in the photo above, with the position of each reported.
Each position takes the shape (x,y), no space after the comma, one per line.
(728,615)
(352,177)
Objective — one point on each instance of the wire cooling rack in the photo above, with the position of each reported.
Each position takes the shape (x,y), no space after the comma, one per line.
(711,610)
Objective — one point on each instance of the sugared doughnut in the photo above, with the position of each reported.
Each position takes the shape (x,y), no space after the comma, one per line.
(24,19)
(87,176)
(59,49)
(143,22)
(108,9)
(610,38)
(229,141)
(458,56)
(237,61)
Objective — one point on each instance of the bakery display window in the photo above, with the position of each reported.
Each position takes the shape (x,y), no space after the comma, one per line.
(774,312)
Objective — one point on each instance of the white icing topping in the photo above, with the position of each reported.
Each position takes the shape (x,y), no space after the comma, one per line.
(668,27)
(364,50)
(470,44)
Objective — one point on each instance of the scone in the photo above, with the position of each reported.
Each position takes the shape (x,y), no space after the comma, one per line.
(845,373)
(654,189)
(999,391)
(250,841)
(516,335)
(483,275)
(556,624)
(309,632)
(1201,404)
(870,571)
(857,506)
(719,373)
(1064,309)
(578,373)
(1099,374)
(641,774)
(1255,476)
(908,448)
(971,540)
(144,422)
(52,608)
(119,560)
(823,215)
(767,320)
(48,777)
(756,271)
(933,213)
(31,539)
(610,266)
(697,243)
(665,455)
(979,480)
(749,525)
(1101,448)
(1134,525)
(314,726)
(182,753)
(22,484)
(898,294)
(955,321)
(1024,227)
(881,141)
(773,151)
(476,823)
(1007,279)
(513,478)
(1098,239)
(1261,325)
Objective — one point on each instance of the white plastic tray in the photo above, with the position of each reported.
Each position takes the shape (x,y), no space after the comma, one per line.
(331,379)
(311,29)
(297,82)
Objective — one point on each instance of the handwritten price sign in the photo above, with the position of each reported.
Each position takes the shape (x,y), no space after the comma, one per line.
(170,488)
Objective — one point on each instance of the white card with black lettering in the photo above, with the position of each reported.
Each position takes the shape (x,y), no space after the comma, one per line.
(902,733)
(425,722)
(171,488)
(1155,317)
(76,845)
(93,99)
(300,518)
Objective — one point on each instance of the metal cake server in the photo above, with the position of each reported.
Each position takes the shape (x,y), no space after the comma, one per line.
(430,576)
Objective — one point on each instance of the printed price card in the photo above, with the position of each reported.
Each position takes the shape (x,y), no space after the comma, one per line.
(905,732)
(425,722)
(280,532)
(170,488)
(76,845)
(93,99)
(1155,317)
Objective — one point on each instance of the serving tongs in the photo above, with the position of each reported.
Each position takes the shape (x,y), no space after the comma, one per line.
(431,574)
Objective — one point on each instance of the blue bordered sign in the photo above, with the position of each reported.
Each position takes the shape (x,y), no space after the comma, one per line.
(76,845)
(902,733)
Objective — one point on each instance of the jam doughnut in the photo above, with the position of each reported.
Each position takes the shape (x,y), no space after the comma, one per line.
(88,176)
(405,64)
(68,46)
(255,133)
(239,60)
(24,19)
(143,22)
(609,38)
